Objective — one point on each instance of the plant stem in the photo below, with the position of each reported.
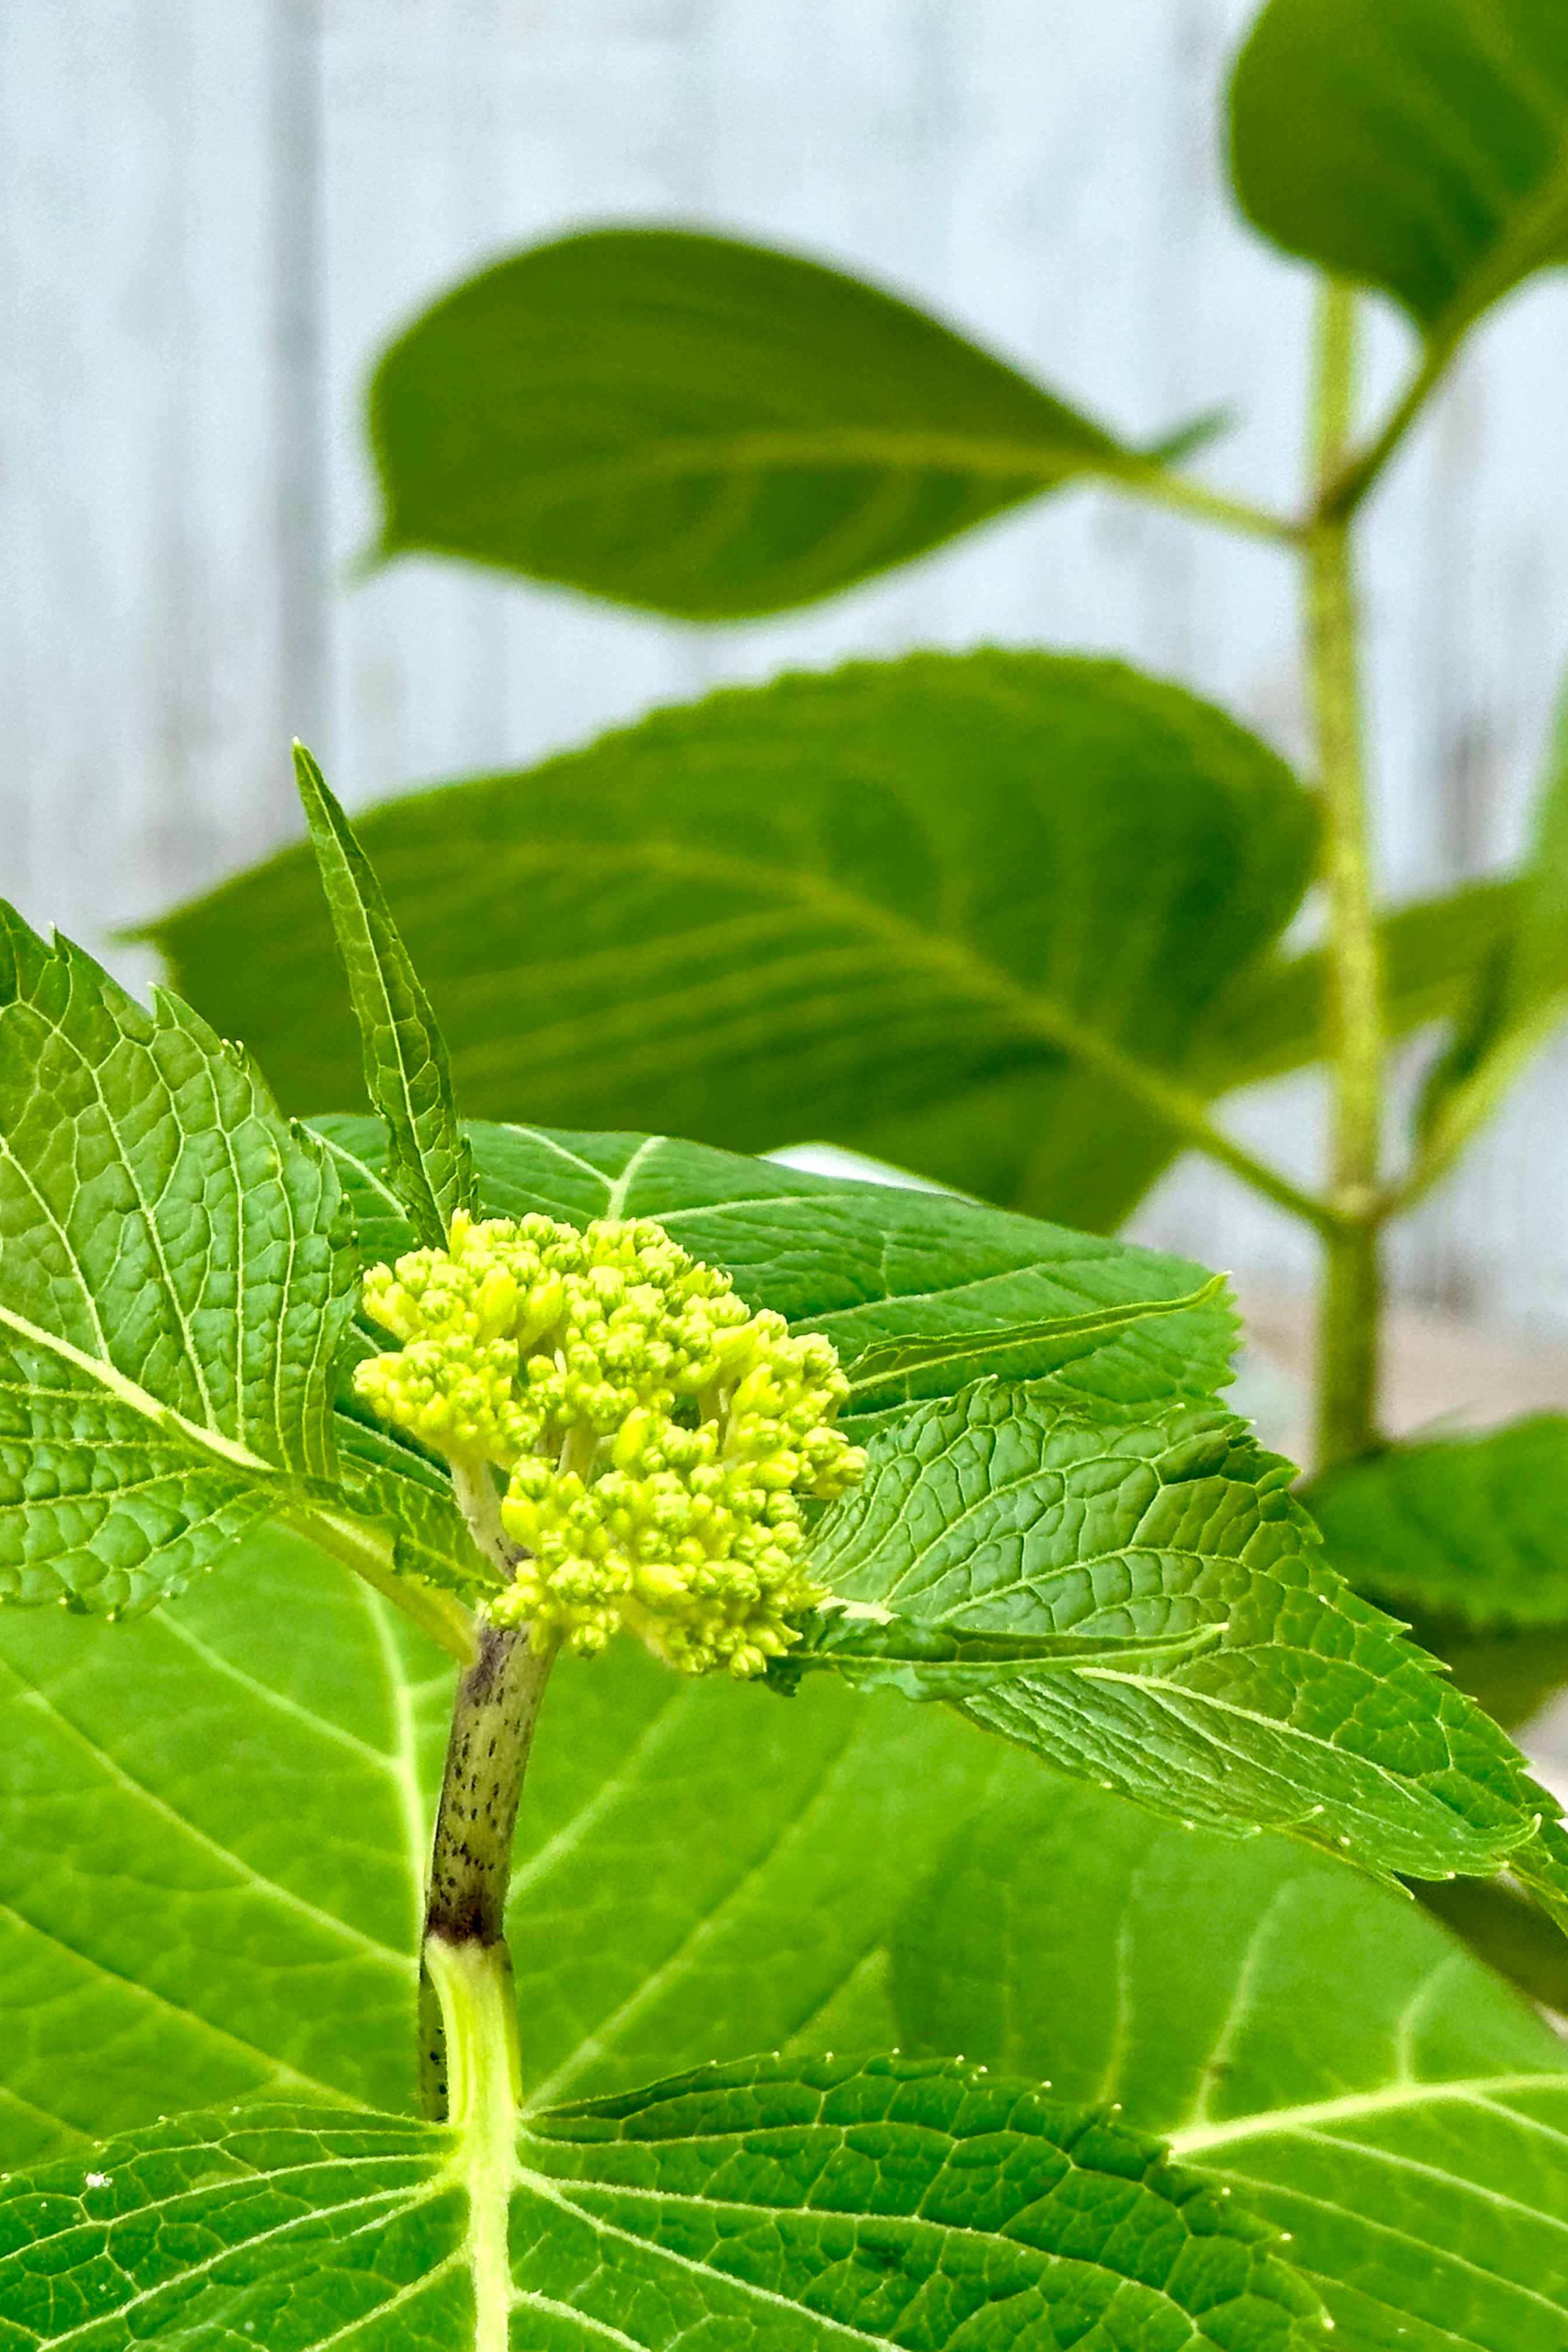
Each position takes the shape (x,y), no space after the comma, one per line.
(1348,1329)
(493,1717)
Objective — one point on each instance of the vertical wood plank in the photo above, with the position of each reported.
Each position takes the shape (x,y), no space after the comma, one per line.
(148,498)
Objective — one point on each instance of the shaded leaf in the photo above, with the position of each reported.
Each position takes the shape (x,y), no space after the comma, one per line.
(406,1073)
(1520,994)
(1420,146)
(1317,2043)
(776,2203)
(1435,952)
(1472,1527)
(869,906)
(703,427)
(1005,1513)
(172,1297)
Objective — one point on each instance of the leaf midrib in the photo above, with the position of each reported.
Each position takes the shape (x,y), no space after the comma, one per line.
(1350,2107)
(939,954)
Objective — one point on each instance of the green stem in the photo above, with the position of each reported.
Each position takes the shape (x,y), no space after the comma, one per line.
(1348,1330)
(493,1717)
(1160,486)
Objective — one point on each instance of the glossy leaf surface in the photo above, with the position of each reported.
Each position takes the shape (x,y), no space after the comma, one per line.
(1318,2044)
(702,426)
(1420,145)
(176,1934)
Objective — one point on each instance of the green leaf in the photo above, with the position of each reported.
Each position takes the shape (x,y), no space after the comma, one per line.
(971,1352)
(1435,952)
(172,1297)
(777,2204)
(406,1073)
(1004,1513)
(872,1265)
(178,1933)
(1471,1528)
(1317,2043)
(969,913)
(1420,146)
(702,428)
(875,1649)
(1519,995)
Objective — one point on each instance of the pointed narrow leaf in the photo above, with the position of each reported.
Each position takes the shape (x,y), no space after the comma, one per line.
(173,1292)
(787,2205)
(1471,1527)
(702,426)
(1419,145)
(407,1072)
(1316,2043)
(1005,1512)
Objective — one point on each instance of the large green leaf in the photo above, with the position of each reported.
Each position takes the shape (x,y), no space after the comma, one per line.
(788,2206)
(172,1297)
(702,426)
(1471,1527)
(938,908)
(1419,145)
(1006,1515)
(870,1265)
(213,1834)
(1319,2044)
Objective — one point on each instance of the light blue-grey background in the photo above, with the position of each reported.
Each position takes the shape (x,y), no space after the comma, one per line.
(213,212)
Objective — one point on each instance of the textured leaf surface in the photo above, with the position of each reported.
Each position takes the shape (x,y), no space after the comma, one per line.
(1471,1528)
(214,1829)
(926,907)
(702,426)
(870,1265)
(1320,2044)
(172,1298)
(1421,145)
(1006,1513)
(774,2204)
(406,1074)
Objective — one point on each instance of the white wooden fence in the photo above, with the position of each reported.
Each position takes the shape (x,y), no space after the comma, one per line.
(213,212)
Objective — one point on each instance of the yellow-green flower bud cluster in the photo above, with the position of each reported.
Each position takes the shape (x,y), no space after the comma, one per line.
(658,1436)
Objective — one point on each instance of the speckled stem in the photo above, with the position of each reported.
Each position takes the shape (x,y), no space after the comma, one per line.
(493,1717)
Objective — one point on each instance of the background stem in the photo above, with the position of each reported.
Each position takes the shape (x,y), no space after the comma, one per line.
(495,1708)
(1348,1327)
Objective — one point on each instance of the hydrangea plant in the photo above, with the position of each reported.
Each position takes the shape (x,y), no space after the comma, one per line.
(1003,1697)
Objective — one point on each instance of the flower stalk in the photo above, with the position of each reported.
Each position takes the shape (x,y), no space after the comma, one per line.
(493,1720)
